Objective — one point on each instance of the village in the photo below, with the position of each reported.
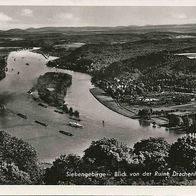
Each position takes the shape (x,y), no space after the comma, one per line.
(168,102)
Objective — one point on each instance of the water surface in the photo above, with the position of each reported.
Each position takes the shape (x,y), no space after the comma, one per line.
(24,67)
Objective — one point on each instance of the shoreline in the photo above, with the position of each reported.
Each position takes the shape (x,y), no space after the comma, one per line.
(110,103)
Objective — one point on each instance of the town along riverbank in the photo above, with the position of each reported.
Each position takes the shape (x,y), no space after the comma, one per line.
(131,112)
(171,118)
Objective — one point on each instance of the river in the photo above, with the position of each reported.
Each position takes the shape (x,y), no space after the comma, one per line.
(24,67)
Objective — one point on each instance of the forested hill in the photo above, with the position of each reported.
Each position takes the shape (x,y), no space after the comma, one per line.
(93,57)
(161,63)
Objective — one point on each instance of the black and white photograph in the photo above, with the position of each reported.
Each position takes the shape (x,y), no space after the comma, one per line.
(97,95)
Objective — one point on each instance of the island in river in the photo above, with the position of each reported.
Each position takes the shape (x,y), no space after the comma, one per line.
(52,87)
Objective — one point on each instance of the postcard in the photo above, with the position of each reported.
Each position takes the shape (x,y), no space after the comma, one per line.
(98,95)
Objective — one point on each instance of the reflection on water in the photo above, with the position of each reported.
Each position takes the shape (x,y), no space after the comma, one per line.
(24,68)
(144,123)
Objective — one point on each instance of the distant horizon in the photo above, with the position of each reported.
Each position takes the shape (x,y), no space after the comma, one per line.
(149,25)
(24,17)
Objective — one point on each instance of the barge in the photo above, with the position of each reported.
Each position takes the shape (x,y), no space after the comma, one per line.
(22,115)
(58,111)
(66,133)
(41,123)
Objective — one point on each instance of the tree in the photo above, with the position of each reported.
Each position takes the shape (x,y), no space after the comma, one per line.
(65,108)
(183,153)
(63,165)
(108,154)
(145,113)
(70,110)
(51,63)
(20,153)
(155,152)
(179,121)
(139,90)
(76,114)
(151,145)
(10,174)
(188,121)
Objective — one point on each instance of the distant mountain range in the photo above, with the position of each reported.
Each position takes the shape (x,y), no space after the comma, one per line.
(184,28)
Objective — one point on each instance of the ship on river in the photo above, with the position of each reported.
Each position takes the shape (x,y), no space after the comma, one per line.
(75,124)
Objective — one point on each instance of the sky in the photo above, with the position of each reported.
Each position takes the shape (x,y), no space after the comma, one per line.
(74,16)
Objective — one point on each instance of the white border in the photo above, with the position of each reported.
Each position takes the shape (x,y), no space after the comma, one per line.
(100,2)
(99,190)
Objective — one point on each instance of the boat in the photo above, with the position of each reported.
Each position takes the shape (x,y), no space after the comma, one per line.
(75,124)
(41,123)
(43,105)
(66,133)
(58,111)
(22,115)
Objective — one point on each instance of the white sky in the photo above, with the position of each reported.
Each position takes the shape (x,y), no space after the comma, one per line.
(40,16)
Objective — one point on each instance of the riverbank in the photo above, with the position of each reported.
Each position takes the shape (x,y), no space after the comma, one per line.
(110,103)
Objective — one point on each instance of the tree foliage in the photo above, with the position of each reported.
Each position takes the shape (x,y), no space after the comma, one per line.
(57,174)
(183,153)
(20,154)
(109,156)
(108,152)
(18,163)
(10,174)
(152,145)
(154,153)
